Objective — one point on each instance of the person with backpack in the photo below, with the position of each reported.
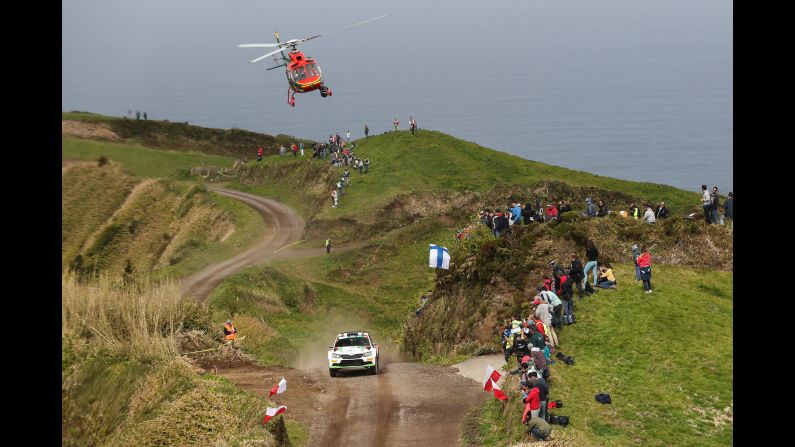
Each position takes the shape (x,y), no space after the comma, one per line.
(644,262)
(557,305)
(592,254)
(544,311)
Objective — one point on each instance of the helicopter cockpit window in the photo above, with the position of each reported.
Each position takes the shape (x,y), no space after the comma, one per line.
(298,74)
(311,70)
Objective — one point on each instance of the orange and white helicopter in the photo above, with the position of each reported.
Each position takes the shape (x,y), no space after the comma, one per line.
(303,73)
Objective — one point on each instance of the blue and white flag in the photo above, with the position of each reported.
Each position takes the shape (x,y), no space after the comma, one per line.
(439,257)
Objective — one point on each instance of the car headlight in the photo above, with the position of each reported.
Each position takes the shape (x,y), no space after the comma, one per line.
(367,354)
(335,356)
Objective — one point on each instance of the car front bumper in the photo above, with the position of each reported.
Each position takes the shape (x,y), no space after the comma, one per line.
(367,362)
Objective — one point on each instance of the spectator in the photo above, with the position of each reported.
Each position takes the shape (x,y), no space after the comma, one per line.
(366,131)
(334,197)
(516,214)
(715,203)
(396,123)
(590,209)
(282,150)
(260,152)
(328,246)
(527,213)
(543,392)
(539,428)
(295,150)
(633,211)
(706,202)
(137,115)
(728,209)
(550,213)
(575,273)
(603,211)
(507,340)
(644,262)
(536,337)
(662,211)
(592,254)
(348,135)
(563,207)
(145,117)
(635,254)
(648,216)
(606,278)
(366,165)
(301,147)
(550,297)
(544,311)
(532,403)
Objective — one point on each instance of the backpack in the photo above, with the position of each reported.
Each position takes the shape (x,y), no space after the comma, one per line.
(603,398)
(559,420)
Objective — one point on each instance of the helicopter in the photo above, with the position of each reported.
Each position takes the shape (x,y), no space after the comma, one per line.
(303,73)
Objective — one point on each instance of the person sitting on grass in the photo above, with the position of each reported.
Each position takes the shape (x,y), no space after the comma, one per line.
(539,428)
(606,278)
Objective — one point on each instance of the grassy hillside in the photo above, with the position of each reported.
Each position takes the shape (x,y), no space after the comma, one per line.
(173,136)
(139,160)
(140,226)
(665,358)
(124,382)
(433,169)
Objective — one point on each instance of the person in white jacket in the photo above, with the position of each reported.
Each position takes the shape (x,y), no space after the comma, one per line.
(648,216)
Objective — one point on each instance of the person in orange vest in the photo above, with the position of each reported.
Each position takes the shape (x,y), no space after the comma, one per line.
(230,332)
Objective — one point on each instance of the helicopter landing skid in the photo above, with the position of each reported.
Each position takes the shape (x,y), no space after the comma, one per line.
(291,97)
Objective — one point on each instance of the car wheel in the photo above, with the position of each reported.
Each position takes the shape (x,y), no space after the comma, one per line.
(332,372)
(374,369)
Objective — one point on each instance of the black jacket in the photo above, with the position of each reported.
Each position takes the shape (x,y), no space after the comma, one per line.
(729,208)
(575,270)
(602,211)
(661,212)
(592,254)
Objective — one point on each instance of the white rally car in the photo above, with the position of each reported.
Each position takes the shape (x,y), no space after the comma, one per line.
(353,350)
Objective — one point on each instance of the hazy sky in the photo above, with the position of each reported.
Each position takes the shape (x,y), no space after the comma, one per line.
(617,87)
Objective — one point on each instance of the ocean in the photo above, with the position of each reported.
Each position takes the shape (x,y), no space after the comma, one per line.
(621,88)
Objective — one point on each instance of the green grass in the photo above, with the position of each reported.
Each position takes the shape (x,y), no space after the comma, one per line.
(141,161)
(665,358)
(249,228)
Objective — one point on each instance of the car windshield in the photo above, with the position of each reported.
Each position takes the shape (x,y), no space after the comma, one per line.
(353,341)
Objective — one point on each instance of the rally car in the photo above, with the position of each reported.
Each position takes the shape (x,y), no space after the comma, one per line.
(353,349)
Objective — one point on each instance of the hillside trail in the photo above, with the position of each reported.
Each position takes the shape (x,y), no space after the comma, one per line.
(405,404)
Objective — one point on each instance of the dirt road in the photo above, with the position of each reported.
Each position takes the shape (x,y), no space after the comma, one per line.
(405,404)
(285,226)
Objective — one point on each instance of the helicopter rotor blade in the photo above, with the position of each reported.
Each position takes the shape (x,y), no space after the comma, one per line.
(259,45)
(340,29)
(269,54)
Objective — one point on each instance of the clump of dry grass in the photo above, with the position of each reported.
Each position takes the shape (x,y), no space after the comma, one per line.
(137,320)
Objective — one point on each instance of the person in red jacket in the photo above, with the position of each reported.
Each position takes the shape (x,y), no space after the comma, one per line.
(259,153)
(644,262)
(551,213)
(532,402)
